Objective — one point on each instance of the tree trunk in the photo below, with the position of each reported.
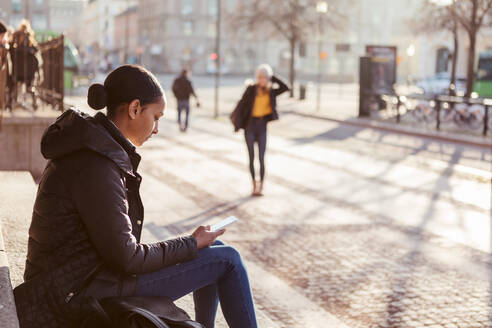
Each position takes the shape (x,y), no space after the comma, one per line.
(472,35)
(292,70)
(471,64)
(452,92)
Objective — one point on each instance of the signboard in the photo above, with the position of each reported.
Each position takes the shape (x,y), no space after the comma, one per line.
(342,47)
(383,68)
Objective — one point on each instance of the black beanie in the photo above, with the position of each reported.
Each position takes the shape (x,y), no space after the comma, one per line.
(123,85)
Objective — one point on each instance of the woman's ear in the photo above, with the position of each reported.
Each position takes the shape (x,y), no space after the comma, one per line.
(134,108)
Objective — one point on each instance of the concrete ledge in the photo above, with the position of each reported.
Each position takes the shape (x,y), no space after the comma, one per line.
(20,138)
(9,119)
(8,314)
(17,196)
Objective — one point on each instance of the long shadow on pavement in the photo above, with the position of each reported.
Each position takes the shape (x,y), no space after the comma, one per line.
(198,219)
(400,286)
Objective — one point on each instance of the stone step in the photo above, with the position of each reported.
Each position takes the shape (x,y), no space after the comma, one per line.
(17,194)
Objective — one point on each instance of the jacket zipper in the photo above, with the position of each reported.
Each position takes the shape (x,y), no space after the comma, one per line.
(87,279)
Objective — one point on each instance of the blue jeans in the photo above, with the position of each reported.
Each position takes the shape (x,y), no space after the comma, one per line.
(183,105)
(217,274)
(256,132)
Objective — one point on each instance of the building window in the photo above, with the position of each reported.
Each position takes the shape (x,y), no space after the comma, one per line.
(442,60)
(187,7)
(39,22)
(342,47)
(211,29)
(334,65)
(232,6)
(16,5)
(188,28)
(15,19)
(212,7)
(39,3)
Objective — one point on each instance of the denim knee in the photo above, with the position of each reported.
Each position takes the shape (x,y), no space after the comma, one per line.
(218,243)
(232,256)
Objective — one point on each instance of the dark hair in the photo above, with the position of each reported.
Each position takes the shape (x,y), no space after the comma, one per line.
(3,28)
(123,85)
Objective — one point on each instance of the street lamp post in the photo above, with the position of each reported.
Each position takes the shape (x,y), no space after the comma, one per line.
(321,8)
(217,61)
(127,32)
(410,54)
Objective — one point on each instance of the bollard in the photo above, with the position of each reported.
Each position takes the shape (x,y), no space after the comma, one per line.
(302,92)
(438,114)
(398,104)
(486,120)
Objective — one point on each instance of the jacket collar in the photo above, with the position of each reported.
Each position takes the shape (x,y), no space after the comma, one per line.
(127,146)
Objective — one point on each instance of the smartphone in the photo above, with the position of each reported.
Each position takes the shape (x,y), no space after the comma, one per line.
(224,223)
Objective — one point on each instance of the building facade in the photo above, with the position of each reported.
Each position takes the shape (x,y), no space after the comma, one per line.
(168,35)
(36,11)
(65,14)
(182,33)
(179,33)
(97,43)
(126,36)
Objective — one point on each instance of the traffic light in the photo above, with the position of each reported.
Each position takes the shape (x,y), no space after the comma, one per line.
(214,56)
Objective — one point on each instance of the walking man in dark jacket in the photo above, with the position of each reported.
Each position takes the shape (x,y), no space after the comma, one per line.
(183,89)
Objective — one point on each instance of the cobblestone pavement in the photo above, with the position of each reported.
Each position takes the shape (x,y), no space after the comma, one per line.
(344,249)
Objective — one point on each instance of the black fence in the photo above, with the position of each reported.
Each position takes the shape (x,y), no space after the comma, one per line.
(51,89)
(40,71)
(437,110)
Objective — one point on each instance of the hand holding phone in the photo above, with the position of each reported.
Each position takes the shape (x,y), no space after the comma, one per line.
(204,237)
(224,223)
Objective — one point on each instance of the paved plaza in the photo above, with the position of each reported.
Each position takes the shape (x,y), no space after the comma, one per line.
(358,227)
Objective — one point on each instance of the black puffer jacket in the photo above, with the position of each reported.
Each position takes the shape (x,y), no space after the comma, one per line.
(241,115)
(88,213)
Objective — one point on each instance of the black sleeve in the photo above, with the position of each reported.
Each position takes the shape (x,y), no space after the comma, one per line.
(238,114)
(282,86)
(174,88)
(100,198)
(192,91)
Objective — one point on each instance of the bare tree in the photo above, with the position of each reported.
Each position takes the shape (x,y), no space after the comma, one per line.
(434,18)
(293,20)
(472,15)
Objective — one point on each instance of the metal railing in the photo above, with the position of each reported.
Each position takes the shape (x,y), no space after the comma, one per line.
(41,71)
(51,89)
(472,113)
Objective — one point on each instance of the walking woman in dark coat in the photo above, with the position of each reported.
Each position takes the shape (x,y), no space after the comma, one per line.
(88,216)
(257,107)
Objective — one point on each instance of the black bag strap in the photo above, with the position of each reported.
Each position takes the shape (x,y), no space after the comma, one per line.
(118,315)
(98,318)
(155,320)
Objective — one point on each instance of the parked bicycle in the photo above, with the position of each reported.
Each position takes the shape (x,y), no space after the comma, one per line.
(469,116)
(424,111)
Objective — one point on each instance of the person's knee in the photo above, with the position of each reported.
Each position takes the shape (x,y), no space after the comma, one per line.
(232,256)
(218,243)
(225,253)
